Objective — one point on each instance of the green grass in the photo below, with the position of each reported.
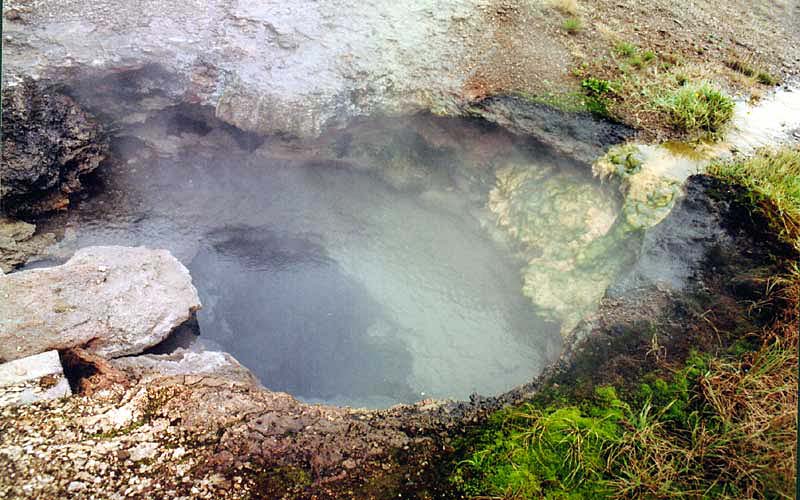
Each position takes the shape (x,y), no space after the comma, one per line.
(772,182)
(766,78)
(597,87)
(573,102)
(633,56)
(625,49)
(718,428)
(698,108)
(572,25)
(720,424)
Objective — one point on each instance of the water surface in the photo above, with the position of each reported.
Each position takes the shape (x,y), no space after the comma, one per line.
(365,284)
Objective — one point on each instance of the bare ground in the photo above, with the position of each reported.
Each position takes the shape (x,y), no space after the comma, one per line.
(528,51)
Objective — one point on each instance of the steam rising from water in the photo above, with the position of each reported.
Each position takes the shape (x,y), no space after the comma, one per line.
(367,269)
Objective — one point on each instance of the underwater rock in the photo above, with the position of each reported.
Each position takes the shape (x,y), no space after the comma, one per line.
(566,231)
(49,142)
(648,177)
(113,301)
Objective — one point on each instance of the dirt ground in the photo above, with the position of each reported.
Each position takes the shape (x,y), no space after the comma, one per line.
(529,51)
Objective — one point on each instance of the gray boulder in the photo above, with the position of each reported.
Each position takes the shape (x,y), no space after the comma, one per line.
(112,301)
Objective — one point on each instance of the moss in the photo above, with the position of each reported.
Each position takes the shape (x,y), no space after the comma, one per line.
(670,438)
(569,102)
(288,482)
(118,432)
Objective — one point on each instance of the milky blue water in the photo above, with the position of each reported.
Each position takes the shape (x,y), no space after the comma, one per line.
(325,280)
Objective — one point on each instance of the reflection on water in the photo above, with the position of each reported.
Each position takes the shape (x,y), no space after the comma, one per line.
(309,315)
(371,269)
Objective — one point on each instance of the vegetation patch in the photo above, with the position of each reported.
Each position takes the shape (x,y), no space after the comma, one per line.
(698,107)
(746,68)
(766,78)
(772,182)
(720,427)
(572,102)
(720,423)
(660,94)
(572,25)
(287,482)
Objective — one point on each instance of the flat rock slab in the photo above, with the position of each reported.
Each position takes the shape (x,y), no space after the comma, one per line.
(112,301)
(31,379)
(185,362)
(265,65)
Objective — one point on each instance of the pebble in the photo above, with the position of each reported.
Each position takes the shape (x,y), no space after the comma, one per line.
(76,486)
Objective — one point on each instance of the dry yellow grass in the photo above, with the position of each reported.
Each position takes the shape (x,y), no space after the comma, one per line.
(569,7)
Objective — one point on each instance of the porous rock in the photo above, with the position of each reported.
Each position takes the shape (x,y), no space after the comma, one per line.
(49,142)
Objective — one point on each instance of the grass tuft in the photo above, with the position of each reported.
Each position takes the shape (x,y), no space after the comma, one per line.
(740,66)
(572,25)
(765,78)
(597,86)
(772,181)
(698,107)
(626,49)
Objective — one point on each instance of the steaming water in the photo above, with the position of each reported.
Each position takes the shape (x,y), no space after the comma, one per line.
(324,280)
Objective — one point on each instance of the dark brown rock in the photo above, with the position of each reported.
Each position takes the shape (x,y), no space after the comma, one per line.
(49,142)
